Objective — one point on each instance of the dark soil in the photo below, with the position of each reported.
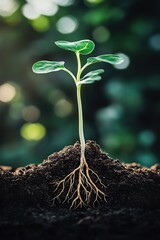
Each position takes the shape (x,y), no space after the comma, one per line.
(132,209)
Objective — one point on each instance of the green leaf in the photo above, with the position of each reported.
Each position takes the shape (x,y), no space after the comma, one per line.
(83,47)
(109,58)
(93,73)
(91,77)
(89,80)
(47,66)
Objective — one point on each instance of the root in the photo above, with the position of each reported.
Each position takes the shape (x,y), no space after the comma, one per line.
(81,192)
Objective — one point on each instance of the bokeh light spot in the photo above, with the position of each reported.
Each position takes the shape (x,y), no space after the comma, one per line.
(7,92)
(33,131)
(55,96)
(147,138)
(44,7)
(63,108)
(8,7)
(67,25)
(147,159)
(101,34)
(155,42)
(112,112)
(124,64)
(94,1)
(64,3)
(31,113)
(114,88)
(29,12)
(40,24)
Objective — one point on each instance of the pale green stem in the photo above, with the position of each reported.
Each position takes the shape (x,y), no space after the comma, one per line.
(71,74)
(84,67)
(80,114)
(80,111)
(79,101)
(79,66)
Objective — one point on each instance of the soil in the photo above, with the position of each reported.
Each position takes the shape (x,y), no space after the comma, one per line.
(132,192)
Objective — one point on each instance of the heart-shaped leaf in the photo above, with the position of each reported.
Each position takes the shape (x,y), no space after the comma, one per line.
(109,58)
(83,47)
(93,73)
(47,66)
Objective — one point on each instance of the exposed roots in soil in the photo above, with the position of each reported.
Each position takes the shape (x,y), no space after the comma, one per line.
(82,191)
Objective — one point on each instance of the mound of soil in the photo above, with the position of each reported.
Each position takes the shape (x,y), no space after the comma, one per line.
(132,193)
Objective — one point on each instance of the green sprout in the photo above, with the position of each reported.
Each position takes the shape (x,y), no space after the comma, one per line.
(85,187)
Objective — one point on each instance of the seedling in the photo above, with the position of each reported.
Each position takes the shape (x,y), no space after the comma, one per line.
(79,195)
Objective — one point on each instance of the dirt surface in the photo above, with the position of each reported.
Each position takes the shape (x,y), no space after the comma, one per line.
(132,192)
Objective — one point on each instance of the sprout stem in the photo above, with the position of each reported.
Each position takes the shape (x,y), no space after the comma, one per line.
(79,66)
(71,74)
(80,114)
(84,67)
(80,111)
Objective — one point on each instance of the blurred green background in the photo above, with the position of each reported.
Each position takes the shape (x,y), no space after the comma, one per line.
(38,113)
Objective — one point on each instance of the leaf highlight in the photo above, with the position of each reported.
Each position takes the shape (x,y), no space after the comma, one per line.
(83,47)
(47,66)
(109,58)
